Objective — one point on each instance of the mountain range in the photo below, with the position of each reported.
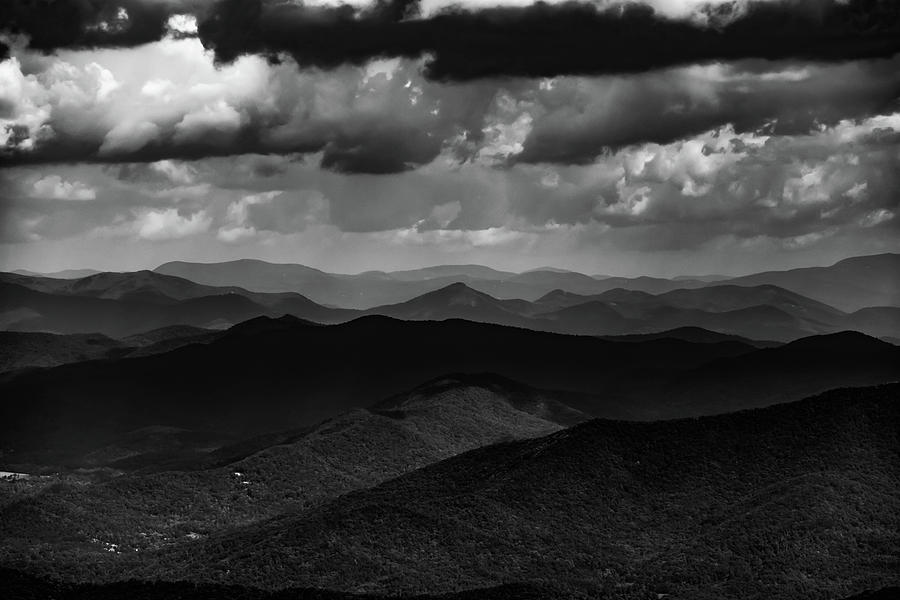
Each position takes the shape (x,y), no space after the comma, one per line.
(848,285)
(254,431)
(265,373)
(125,304)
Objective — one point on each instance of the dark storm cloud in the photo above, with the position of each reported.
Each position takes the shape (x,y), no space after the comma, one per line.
(544,40)
(581,120)
(539,40)
(55,24)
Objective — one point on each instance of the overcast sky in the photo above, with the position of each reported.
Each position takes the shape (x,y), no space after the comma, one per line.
(628,137)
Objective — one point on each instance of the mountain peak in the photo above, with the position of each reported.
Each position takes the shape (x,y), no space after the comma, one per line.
(265,324)
(456,290)
(842,340)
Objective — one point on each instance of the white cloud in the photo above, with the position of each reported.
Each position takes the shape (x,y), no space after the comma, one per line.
(876,217)
(168,224)
(159,89)
(454,239)
(56,188)
(129,136)
(234,235)
(184,24)
(212,119)
(176,171)
(237,210)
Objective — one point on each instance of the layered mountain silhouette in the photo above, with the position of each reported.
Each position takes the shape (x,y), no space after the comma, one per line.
(778,305)
(754,504)
(848,285)
(123,304)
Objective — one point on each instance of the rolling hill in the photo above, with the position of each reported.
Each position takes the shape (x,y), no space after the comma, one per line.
(793,501)
(165,502)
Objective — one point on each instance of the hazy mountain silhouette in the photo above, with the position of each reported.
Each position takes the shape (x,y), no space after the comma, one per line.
(374,288)
(147,300)
(849,285)
(123,304)
(64,274)
(442,271)
(767,312)
(751,499)
(459,301)
(756,312)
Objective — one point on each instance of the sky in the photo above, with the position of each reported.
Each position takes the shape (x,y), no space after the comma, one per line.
(622,137)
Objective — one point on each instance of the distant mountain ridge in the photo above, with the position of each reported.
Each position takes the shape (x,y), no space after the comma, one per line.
(123,304)
(64,274)
(849,284)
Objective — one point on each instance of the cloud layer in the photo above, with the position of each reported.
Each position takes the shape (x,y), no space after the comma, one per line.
(544,40)
(415,132)
(387,117)
(466,41)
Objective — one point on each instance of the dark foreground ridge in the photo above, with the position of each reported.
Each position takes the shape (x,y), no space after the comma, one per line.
(272,374)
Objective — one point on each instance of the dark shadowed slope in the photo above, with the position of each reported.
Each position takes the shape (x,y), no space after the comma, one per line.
(691,334)
(269,374)
(21,350)
(260,478)
(849,285)
(789,370)
(28,349)
(266,375)
(20,585)
(793,501)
